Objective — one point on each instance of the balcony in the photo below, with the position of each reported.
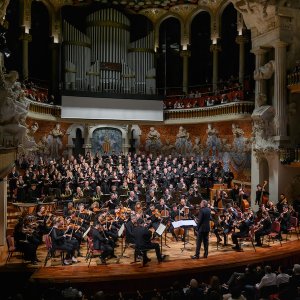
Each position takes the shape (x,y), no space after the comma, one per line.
(290,156)
(42,111)
(241,110)
(225,112)
(294,81)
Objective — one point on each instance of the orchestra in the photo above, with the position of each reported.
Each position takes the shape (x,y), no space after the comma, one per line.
(101,194)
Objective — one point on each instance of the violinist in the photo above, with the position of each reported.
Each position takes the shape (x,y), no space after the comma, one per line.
(109,227)
(262,228)
(74,231)
(101,242)
(69,209)
(142,237)
(153,216)
(226,223)
(284,219)
(162,206)
(244,227)
(281,202)
(43,219)
(25,242)
(62,241)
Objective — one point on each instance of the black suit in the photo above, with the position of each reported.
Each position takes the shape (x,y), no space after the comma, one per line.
(100,242)
(203,229)
(142,236)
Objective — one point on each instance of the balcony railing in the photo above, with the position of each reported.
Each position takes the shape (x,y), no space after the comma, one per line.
(234,108)
(44,109)
(240,109)
(290,155)
(293,80)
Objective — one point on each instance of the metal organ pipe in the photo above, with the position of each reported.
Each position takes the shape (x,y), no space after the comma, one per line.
(77,51)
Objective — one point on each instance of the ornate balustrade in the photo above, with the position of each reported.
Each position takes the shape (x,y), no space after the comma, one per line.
(293,79)
(42,110)
(233,110)
(290,156)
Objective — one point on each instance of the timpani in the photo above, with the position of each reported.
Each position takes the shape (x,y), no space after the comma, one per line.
(26,208)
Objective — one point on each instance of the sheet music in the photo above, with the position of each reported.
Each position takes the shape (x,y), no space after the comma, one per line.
(161,228)
(121,230)
(180,223)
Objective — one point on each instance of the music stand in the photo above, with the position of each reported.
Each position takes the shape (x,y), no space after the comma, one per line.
(160,230)
(123,248)
(186,224)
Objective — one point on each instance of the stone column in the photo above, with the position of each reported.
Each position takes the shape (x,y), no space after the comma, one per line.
(185,54)
(280,101)
(241,40)
(260,85)
(87,142)
(25,38)
(3,210)
(214,48)
(126,145)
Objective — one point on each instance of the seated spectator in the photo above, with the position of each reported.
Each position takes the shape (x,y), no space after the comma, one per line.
(295,283)
(193,291)
(268,280)
(282,276)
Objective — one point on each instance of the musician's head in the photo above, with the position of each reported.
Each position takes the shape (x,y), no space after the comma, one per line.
(152,206)
(282,196)
(285,208)
(203,203)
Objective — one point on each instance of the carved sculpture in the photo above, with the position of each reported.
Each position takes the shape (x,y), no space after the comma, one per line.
(13,112)
(153,142)
(3,7)
(266,71)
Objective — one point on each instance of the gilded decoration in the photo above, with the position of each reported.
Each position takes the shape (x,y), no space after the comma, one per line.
(183,10)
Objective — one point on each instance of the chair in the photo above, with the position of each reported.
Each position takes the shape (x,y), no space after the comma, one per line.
(248,238)
(11,248)
(51,252)
(266,291)
(91,251)
(275,232)
(294,226)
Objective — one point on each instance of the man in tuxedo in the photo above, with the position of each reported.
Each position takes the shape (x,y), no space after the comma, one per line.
(203,228)
(142,236)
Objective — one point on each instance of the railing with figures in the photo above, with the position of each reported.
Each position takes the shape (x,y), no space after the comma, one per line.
(44,109)
(229,109)
(293,79)
(290,155)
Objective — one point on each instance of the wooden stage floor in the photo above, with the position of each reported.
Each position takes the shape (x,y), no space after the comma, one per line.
(178,264)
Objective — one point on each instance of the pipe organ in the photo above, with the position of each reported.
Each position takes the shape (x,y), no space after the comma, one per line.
(104,60)
(77,51)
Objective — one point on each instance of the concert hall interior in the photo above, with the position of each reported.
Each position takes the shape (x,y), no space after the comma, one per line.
(149,149)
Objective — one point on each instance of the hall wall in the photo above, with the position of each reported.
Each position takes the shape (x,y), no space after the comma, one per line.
(229,142)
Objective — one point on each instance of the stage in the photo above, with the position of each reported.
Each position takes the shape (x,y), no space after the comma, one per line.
(178,266)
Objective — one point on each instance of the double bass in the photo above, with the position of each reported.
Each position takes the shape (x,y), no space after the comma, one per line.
(264,197)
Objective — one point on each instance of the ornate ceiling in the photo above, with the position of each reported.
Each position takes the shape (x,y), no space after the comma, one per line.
(138,5)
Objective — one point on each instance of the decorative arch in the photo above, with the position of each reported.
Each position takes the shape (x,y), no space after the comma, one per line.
(194,13)
(218,14)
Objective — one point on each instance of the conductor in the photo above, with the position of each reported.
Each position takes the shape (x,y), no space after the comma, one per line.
(203,228)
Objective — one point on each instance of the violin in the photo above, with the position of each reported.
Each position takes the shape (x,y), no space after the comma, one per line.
(156,213)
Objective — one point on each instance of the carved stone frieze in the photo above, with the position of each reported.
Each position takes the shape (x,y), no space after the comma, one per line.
(263,131)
